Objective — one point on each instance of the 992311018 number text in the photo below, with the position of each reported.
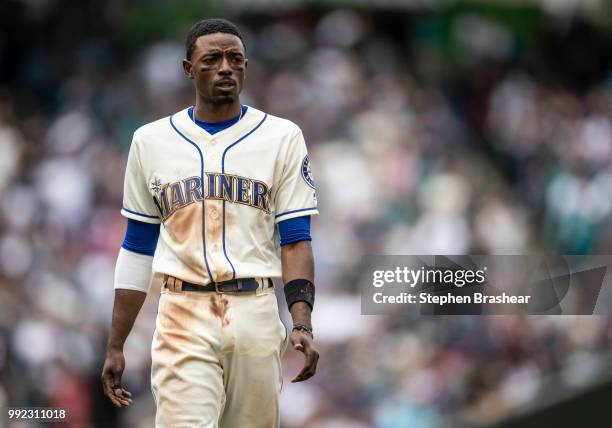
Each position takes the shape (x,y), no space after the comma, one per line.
(38,413)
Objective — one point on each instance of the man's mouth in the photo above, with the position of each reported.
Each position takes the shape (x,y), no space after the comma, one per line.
(225,84)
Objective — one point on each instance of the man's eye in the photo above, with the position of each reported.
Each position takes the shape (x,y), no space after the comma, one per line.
(210,60)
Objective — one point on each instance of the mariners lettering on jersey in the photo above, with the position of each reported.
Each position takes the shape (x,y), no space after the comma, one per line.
(171,197)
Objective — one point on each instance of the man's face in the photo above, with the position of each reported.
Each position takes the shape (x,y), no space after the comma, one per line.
(217,66)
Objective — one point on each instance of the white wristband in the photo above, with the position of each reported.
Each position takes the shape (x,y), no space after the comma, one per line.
(133,271)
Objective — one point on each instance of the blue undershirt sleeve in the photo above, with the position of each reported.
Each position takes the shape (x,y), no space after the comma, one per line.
(294,230)
(141,237)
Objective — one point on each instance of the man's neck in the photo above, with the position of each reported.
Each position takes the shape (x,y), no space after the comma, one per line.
(212,113)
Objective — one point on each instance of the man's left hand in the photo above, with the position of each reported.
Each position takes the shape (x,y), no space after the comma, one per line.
(302,341)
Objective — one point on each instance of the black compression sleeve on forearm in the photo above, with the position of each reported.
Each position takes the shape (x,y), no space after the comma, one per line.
(300,290)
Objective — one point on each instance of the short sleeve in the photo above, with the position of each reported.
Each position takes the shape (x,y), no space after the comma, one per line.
(296,194)
(138,203)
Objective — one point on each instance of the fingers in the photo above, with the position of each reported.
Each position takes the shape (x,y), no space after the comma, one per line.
(310,363)
(119,396)
(113,390)
(109,391)
(123,396)
(297,339)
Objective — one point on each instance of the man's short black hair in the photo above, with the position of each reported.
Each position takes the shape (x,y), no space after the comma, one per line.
(210,26)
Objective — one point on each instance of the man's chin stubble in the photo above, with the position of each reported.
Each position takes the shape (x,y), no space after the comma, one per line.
(223,99)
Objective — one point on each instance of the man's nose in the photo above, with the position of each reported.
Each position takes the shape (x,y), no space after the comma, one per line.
(224,67)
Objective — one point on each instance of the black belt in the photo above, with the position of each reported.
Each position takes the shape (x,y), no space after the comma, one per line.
(231,286)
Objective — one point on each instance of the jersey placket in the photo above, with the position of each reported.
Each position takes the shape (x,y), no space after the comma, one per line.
(217,220)
(213,216)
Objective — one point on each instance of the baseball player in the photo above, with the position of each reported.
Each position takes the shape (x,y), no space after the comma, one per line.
(218,199)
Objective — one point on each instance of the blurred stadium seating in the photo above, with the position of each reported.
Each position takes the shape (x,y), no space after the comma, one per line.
(474,127)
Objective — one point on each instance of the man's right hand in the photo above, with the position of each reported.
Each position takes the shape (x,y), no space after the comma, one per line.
(111,378)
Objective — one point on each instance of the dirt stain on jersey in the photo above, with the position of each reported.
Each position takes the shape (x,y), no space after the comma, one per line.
(219,307)
(185,225)
(225,275)
(229,218)
(185,230)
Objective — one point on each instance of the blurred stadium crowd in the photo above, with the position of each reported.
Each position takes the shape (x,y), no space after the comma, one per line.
(484,141)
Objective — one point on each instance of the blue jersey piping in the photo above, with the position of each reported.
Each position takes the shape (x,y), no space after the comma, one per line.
(203,199)
(223,172)
(140,214)
(295,211)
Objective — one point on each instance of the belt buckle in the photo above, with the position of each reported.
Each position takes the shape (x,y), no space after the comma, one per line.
(236,287)
(217,288)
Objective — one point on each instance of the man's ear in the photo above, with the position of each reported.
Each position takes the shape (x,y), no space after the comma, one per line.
(187,68)
(246,62)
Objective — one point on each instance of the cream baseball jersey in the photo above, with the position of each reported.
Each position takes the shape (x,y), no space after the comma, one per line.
(218,197)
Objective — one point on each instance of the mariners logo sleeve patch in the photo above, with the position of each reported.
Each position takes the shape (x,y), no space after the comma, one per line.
(307,172)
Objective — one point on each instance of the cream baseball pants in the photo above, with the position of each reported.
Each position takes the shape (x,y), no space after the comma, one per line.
(216,360)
